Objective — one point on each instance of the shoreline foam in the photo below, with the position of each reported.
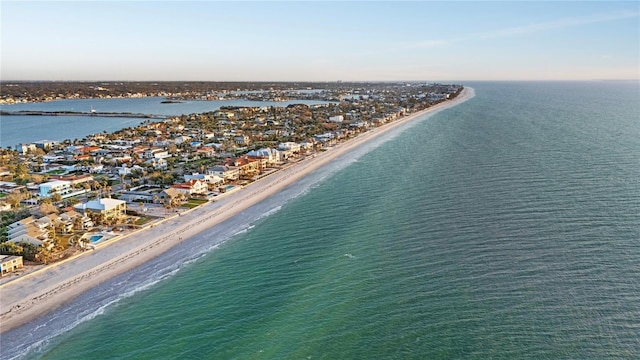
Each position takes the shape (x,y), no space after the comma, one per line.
(27,298)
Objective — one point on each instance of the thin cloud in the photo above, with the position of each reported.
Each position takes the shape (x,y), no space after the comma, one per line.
(525,29)
(559,24)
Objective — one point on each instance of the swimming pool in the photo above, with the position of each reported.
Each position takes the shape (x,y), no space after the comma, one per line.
(95,238)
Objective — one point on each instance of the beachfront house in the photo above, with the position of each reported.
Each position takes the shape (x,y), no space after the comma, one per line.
(272,156)
(10,263)
(212,181)
(288,150)
(289,146)
(103,210)
(228,173)
(191,187)
(326,139)
(29,231)
(171,196)
(246,166)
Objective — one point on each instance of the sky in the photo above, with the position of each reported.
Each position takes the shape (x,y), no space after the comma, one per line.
(319,41)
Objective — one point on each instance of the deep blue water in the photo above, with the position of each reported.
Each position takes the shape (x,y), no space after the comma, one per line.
(505,227)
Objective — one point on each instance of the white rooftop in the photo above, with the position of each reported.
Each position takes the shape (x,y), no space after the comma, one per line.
(54,183)
(101,204)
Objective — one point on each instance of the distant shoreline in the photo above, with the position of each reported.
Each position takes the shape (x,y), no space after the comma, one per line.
(77,113)
(36,294)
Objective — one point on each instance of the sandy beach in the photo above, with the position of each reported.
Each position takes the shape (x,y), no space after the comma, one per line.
(37,293)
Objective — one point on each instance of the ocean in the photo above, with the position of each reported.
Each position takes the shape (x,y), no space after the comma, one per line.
(505,227)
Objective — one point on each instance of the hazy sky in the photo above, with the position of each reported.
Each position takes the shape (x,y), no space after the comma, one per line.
(319,41)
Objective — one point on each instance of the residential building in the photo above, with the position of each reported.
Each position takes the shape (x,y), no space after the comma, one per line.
(241,140)
(28,231)
(104,207)
(9,263)
(224,114)
(61,187)
(272,156)
(170,196)
(246,166)
(155,153)
(206,151)
(191,187)
(8,187)
(158,163)
(182,139)
(75,220)
(74,179)
(45,145)
(230,173)
(26,148)
(210,179)
(289,146)
(134,196)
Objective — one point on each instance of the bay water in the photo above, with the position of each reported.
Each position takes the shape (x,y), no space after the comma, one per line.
(16,129)
(505,227)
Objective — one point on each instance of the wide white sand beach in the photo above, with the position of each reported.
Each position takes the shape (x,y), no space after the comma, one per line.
(37,293)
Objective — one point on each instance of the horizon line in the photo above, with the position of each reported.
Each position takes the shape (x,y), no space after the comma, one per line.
(317,81)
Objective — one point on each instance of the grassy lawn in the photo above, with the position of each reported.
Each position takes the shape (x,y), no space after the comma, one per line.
(198,201)
(192,203)
(56,172)
(141,221)
(63,240)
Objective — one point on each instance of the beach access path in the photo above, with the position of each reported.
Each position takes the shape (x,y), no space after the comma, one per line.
(35,294)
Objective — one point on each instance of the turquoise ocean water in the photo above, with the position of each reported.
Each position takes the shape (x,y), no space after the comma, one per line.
(505,227)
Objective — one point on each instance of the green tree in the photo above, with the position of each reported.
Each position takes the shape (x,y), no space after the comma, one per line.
(9,248)
(14,198)
(55,197)
(78,223)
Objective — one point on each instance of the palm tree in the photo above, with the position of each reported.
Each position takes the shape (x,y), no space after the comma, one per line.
(60,227)
(97,185)
(55,197)
(78,223)
(83,242)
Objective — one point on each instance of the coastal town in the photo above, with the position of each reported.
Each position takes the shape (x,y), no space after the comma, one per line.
(59,199)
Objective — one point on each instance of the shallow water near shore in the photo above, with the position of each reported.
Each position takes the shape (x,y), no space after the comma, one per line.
(505,227)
